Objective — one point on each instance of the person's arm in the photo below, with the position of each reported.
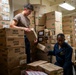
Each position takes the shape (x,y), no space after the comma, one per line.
(68,57)
(51,52)
(14,25)
(15,22)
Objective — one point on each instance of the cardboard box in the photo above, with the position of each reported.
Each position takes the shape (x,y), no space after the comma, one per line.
(34,65)
(54,15)
(41,55)
(32,21)
(17,11)
(68,38)
(54,21)
(42,47)
(11,42)
(12,62)
(40,20)
(74,55)
(57,26)
(13,71)
(32,34)
(38,28)
(12,51)
(11,32)
(51,69)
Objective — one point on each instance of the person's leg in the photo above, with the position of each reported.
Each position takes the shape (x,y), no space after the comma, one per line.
(68,71)
(27,46)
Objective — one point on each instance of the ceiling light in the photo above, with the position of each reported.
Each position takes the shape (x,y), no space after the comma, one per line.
(67,6)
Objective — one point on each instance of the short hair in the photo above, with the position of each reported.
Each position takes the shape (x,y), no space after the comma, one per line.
(29,6)
(61,35)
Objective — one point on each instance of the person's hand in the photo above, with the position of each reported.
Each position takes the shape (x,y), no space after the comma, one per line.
(35,41)
(27,29)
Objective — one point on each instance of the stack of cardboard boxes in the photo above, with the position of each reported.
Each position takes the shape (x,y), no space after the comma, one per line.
(54,21)
(46,41)
(68,39)
(69,28)
(39,17)
(32,19)
(74,55)
(40,22)
(46,67)
(75,29)
(12,51)
(4,13)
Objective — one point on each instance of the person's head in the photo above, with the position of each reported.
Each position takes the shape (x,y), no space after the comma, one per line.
(60,39)
(28,8)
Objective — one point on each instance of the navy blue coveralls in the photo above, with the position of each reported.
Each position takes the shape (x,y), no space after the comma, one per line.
(63,57)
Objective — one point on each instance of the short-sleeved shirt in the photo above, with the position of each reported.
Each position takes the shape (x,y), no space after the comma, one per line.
(22,20)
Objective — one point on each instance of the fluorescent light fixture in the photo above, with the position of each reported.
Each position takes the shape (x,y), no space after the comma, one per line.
(67,6)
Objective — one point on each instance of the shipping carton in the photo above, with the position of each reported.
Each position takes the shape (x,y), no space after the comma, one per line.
(34,65)
(12,51)
(11,62)
(41,55)
(40,20)
(11,32)
(54,21)
(11,42)
(51,69)
(74,55)
(31,35)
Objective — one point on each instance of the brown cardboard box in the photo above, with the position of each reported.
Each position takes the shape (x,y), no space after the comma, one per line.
(11,62)
(57,26)
(41,55)
(44,48)
(51,69)
(11,42)
(69,28)
(32,35)
(68,38)
(54,15)
(74,55)
(13,71)
(32,21)
(34,65)
(48,46)
(11,32)
(4,22)
(40,20)
(54,21)
(12,51)
(38,28)
(41,47)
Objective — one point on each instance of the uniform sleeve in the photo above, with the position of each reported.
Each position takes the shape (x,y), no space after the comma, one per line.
(51,52)
(68,58)
(17,17)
